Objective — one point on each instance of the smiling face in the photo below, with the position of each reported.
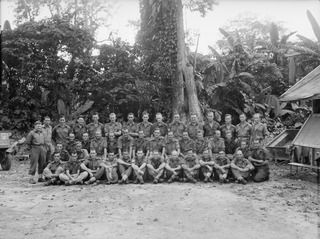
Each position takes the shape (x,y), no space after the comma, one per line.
(256,118)
(130,117)
(185,135)
(156,133)
(145,117)
(140,154)
(85,136)
(193,118)
(93,153)
(47,121)
(81,121)
(98,134)
(242,117)
(228,119)
(170,135)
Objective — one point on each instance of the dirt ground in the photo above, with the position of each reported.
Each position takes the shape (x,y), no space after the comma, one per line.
(285,207)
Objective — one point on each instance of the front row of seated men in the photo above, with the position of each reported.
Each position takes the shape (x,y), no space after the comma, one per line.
(244,164)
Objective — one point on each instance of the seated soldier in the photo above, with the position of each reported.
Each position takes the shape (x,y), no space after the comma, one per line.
(140,143)
(86,142)
(186,143)
(155,165)
(92,165)
(216,144)
(259,159)
(82,153)
(206,163)
(53,169)
(139,164)
(125,168)
(244,148)
(64,155)
(71,174)
(230,145)
(241,167)
(201,144)
(71,143)
(110,165)
(156,143)
(221,166)
(171,144)
(112,144)
(99,144)
(191,166)
(125,142)
(173,166)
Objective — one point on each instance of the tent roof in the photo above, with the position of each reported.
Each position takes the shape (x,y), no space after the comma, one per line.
(308,135)
(308,87)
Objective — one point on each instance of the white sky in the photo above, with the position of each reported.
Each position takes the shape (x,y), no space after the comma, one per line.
(292,13)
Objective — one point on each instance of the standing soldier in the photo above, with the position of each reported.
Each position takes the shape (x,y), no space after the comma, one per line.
(241,167)
(259,130)
(47,132)
(113,126)
(99,144)
(86,141)
(95,126)
(186,143)
(140,143)
(191,166)
(145,125)
(131,126)
(159,124)
(217,144)
(125,142)
(243,129)
(139,164)
(125,166)
(79,128)
(201,144)
(222,165)
(194,126)
(206,162)
(171,144)
(155,165)
(177,126)
(210,126)
(112,144)
(228,126)
(173,166)
(60,133)
(157,143)
(35,141)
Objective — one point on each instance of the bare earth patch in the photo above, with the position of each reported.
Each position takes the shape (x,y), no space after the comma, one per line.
(284,207)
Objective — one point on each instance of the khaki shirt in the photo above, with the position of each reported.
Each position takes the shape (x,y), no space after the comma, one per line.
(217,145)
(225,128)
(201,145)
(99,145)
(60,133)
(47,133)
(171,145)
(210,129)
(259,131)
(193,129)
(132,127)
(35,138)
(191,161)
(162,126)
(112,127)
(243,130)
(79,130)
(125,142)
(92,128)
(112,146)
(146,127)
(177,128)
(156,144)
(186,144)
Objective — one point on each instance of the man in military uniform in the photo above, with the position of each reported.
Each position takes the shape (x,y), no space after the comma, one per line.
(81,152)
(201,143)
(145,125)
(64,155)
(86,141)
(139,164)
(113,126)
(99,144)
(259,130)
(171,144)
(243,129)
(191,166)
(259,159)
(210,126)
(230,145)
(159,124)
(110,164)
(125,166)
(131,126)
(155,165)
(79,128)
(173,166)
(217,144)
(206,162)
(95,126)
(60,133)
(194,126)
(141,143)
(244,147)
(53,169)
(92,165)
(112,144)
(222,166)
(47,132)
(241,167)
(177,126)
(157,143)
(71,143)
(186,143)
(228,126)
(125,142)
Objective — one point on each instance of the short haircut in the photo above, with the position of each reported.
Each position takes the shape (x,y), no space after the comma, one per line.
(227,115)
(47,117)
(111,114)
(131,114)
(159,114)
(210,112)
(145,113)
(62,117)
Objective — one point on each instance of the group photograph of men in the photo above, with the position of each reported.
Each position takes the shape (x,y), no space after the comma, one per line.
(131,152)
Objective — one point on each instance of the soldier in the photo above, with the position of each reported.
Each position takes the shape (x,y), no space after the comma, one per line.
(194,126)
(95,126)
(230,145)
(201,143)
(71,174)
(210,126)
(173,166)
(60,133)
(86,141)
(259,130)
(259,159)
(71,143)
(139,164)
(191,166)
(124,165)
(125,143)
(145,125)
(206,162)
(99,144)
(47,132)
(155,165)
(141,143)
(228,126)
(186,143)
(177,126)
(241,167)
(35,141)
(243,129)
(92,165)
(171,144)
(110,164)
(81,152)
(53,169)
(156,143)
(112,144)
(159,124)
(244,149)
(79,128)
(221,166)
(64,155)
(113,126)
(217,144)
(131,126)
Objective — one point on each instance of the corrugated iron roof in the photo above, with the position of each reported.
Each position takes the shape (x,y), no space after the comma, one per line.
(309,134)
(307,87)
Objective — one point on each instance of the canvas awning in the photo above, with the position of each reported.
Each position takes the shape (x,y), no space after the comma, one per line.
(308,87)
(309,134)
